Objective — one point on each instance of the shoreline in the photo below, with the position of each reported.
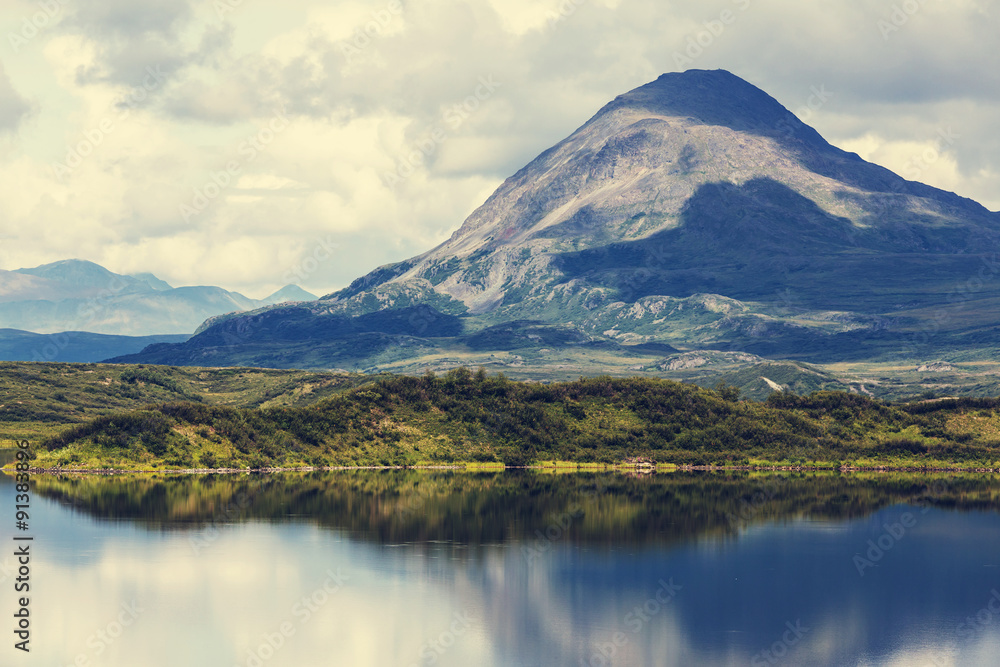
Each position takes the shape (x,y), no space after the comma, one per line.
(563,468)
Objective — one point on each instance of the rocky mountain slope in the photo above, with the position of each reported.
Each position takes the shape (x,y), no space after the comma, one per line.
(697,212)
(699,183)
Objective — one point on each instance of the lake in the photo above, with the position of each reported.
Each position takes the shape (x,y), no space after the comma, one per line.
(515,568)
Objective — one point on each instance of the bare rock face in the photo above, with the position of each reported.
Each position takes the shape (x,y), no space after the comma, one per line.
(936,367)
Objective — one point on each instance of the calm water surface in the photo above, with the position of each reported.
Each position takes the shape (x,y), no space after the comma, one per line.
(415,568)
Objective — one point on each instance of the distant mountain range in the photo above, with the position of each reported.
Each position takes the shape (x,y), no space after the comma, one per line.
(76,295)
(694,213)
(73,346)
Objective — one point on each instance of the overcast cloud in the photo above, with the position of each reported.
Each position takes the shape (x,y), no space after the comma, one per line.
(13,108)
(228,141)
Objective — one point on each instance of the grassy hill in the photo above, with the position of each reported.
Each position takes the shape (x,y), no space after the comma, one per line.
(73,346)
(38,400)
(467,417)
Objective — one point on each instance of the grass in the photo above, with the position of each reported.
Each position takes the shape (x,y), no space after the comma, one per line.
(32,431)
(37,400)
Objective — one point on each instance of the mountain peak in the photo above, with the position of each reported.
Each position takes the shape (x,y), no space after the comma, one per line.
(152,281)
(694,209)
(289,293)
(80,273)
(673,177)
(716,97)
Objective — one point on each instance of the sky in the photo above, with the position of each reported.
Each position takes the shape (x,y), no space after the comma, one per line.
(254,143)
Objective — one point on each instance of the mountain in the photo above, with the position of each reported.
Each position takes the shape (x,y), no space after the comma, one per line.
(19,287)
(76,295)
(289,293)
(152,281)
(73,346)
(698,183)
(84,277)
(697,212)
(296,338)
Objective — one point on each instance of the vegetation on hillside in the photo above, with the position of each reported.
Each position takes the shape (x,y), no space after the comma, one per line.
(38,400)
(472,417)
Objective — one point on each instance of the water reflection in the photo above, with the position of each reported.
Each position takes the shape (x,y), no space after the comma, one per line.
(414,568)
(473,509)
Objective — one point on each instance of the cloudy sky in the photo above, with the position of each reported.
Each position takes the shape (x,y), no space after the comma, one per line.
(250,143)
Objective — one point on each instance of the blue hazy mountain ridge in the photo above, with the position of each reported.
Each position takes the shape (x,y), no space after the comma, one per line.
(80,296)
(289,293)
(152,281)
(694,211)
(73,346)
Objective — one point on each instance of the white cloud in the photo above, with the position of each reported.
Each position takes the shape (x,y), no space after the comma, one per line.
(13,107)
(356,115)
(926,161)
